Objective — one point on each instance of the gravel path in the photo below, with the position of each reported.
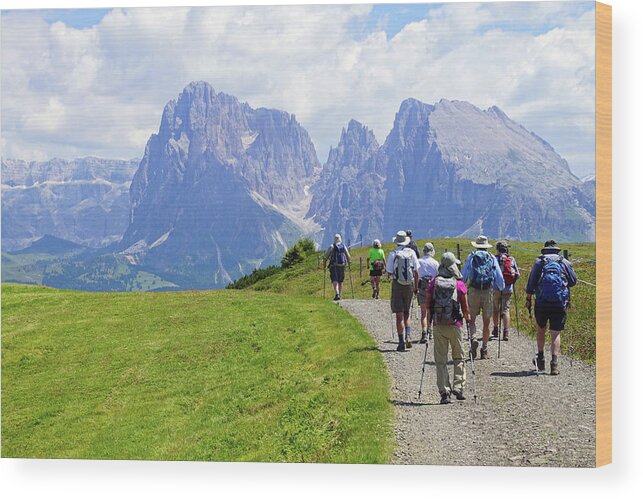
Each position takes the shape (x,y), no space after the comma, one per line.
(520,419)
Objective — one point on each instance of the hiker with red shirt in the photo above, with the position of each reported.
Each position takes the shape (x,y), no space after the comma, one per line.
(446,299)
(502,298)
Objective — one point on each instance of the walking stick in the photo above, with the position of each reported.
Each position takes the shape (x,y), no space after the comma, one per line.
(473,369)
(535,359)
(516,303)
(350,277)
(500,323)
(426,349)
(392,327)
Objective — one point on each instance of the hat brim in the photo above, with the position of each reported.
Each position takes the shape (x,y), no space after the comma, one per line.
(406,241)
(550,248)
(481,246)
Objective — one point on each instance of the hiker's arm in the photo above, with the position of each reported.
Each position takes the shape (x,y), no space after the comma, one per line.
(389,263)
(499,280)
(348,257)
(465,307)
(534,275)
(368,263)
(514,264)
(416,278)
(466,269)
(427,303)
(571,275)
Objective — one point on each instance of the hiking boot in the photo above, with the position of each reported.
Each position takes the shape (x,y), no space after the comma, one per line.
(505,336)
(494,333)
(407,342)
(430,335)
(445,398)
(458,395)
(377,294)
(539,362)
(400,346)
(374,293)
(484,354)
(336,298)
(423,337)
(553,366)
(474,348)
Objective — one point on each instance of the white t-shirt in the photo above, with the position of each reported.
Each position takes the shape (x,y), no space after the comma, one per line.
(390,263)
(428,267)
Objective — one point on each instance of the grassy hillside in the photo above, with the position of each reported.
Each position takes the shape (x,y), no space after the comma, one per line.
(224,375)
(307,279)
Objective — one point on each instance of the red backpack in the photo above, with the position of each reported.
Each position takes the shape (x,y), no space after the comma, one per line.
(508,273)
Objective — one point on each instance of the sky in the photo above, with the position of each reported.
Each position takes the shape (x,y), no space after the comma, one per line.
(79,82)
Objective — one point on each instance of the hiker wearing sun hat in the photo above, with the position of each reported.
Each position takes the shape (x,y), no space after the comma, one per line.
(403,265)
(483,273)
(426,272)
(446,300)
(338,257)
(375,261)
(502,298)
(550,279)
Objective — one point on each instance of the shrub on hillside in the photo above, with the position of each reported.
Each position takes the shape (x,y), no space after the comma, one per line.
(292,257)
(255,276)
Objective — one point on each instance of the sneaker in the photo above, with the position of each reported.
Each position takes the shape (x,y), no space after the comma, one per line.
(484,354)
(336,298)
(400,347)
(553,367)
(474,348)
(458,395)
(539,362)
(407,342)
(505,336)
(423,337)
(445,398)
(377,294)
(494,333)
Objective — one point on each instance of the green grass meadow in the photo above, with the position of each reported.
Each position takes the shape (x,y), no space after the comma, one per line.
(217,375)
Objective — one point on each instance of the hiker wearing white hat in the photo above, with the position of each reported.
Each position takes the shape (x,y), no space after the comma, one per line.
(483,273)
(375,261)
(338,257)
(426,272)
(403,265)
(446,300)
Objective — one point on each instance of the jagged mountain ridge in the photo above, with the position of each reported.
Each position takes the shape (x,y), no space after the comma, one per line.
(84,200)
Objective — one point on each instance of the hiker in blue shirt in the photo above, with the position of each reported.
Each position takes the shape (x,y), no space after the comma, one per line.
(338,257)
(550,279)
(483,273)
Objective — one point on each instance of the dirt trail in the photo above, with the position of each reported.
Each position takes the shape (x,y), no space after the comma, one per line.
(520,420)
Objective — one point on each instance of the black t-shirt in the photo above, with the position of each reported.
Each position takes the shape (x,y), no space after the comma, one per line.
(413,245)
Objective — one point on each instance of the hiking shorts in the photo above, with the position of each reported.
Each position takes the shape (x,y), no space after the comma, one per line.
(556,316)
(505,301)
(421,296)
(401,297)
(480,302)
(336,273)
(375,273)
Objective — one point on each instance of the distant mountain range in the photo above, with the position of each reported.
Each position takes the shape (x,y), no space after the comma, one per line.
(224,188)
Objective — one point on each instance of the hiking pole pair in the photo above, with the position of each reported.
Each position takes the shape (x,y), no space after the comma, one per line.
(473,368)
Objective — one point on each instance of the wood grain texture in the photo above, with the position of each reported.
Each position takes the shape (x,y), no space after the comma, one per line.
(603,234)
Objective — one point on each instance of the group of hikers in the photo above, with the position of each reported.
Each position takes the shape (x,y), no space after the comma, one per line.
(451,299)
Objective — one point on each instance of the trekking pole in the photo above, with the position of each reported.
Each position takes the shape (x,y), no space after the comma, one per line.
(473,369)
(500,323)
(426,349)
(392,327)
(535,359)
(516,303)
(350,277)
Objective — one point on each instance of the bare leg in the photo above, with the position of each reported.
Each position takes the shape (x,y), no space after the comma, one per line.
(506,321)
(399,322)
(340,285)
(485,330)
(540,339)
(555,342)
(425,318)
(496,317)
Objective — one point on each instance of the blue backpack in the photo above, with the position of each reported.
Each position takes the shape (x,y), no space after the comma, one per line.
(552,287)
(482,270)
(338,258)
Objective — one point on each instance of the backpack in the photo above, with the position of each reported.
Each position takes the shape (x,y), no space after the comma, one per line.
(508,272)
(482,270)
(445,308)
(338,257)
(403,267)
(552,286)
(378,265)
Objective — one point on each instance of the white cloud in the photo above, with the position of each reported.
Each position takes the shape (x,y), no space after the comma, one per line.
(101,90)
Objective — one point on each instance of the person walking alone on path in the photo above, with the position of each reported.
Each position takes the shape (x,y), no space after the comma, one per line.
(446,299)
(338,257)
(403,265)
(502,299)
(376,261)
(483,273)
(413,245)
(426,272)
(550,279)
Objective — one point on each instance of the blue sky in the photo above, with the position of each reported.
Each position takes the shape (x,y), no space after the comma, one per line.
(103,76)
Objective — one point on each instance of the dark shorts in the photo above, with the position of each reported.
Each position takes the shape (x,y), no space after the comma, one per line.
(556,316)
(375,273)
(336,273)
(401,297)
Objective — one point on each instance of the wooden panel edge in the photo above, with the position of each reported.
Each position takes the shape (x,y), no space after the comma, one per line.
(603,234)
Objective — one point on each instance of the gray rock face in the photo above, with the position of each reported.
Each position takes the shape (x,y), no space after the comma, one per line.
(222,188)
(84,200)
(453,169)
(349,197)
